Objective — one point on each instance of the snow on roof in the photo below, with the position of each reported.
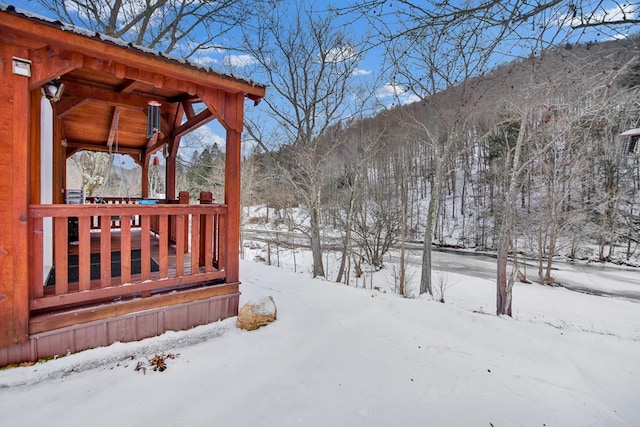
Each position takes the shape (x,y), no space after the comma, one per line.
(120,42)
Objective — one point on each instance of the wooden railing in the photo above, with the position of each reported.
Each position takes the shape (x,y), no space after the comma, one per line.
(114,220)
(200,227)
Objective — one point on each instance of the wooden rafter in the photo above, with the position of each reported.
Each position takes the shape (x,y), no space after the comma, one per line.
(205,116)
(188,109)
(86,93)
(129,86)
(113,130)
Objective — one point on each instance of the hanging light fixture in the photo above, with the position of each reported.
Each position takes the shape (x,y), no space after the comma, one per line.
(52,90)
(153,118)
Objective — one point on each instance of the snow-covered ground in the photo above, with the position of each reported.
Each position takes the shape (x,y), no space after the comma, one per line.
(341,356)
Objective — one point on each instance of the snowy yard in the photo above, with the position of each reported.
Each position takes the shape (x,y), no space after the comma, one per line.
(341,356)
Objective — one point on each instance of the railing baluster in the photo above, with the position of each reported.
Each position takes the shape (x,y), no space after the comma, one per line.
(105,250)
(145,247)
(221,238)
(164,245)
(215,220)
(125,249)
(208,243)
(180,239)
(37,258)
(195,244)
(60,254)
(84,253)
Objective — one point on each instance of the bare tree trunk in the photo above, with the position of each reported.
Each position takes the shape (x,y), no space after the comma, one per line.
(540,252)
(504,285)
(504,295)
(553,235)
(346,244)
(316,246)
(426,285)
(404,200)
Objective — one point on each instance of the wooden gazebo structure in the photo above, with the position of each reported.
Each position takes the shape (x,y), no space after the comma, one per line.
(130,270)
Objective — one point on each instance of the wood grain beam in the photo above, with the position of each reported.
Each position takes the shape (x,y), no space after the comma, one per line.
(113,130)
(129,86)
(205,116)
(77,146)
(227,107)
(49,64)
(77,94)
(188,109)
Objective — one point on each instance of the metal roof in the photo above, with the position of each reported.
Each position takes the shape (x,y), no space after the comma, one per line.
(122,43)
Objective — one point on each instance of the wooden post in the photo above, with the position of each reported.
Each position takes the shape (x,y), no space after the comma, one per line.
(170,181)
(14,162)
(145,176)
(234,107)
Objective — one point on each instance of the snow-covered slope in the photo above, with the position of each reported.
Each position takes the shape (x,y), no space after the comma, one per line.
(340,356)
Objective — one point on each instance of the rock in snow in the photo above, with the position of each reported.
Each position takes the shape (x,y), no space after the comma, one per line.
(257,312)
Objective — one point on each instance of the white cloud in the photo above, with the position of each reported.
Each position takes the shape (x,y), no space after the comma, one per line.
(389,90)
(341,54)
(204,60)
(361,72)
(396,93)
(618,12)
(238,60)
(200,138)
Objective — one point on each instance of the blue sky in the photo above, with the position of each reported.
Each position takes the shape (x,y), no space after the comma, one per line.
(370,64)
(369,70)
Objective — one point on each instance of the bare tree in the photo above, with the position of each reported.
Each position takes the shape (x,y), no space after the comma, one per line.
(309,63)
(180,27)
(93,168)
(348,179)
(442,45)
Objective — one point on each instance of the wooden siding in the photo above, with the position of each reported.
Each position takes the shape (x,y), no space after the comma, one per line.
(124,328)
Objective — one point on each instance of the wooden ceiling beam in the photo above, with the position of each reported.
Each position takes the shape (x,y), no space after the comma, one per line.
(68,103)
(49,64)
(78,146)
(178,115)
(88,93)
(129,86)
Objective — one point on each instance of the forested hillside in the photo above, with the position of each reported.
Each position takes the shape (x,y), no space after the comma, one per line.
(532,146)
